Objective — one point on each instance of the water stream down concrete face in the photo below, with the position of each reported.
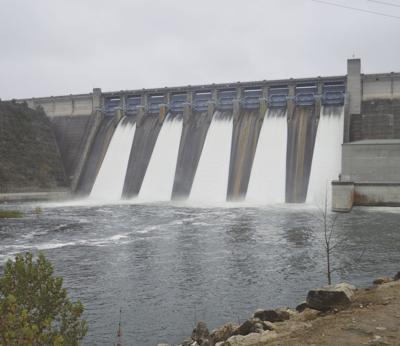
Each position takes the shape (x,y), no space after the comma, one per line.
(226,120)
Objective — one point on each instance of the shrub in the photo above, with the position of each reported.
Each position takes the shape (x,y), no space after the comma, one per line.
(34,307)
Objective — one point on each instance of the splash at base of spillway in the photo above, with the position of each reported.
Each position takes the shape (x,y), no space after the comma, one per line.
(110,179)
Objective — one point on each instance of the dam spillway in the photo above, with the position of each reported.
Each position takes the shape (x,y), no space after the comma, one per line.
(259,142)
(258,158)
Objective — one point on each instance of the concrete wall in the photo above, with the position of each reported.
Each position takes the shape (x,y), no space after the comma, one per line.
(148,127)
(194,133)
(371,161)
(380,119)
(71,133)
(381,86)
(345,195)
(302,130)
(246,130)
(96,155)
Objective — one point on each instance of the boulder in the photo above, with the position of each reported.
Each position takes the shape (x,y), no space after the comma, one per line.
(397,276)
(252,325)
(301,307)
(241,340)
(277,315)
(223,333)
(251,339)
(330,297)
(382,280)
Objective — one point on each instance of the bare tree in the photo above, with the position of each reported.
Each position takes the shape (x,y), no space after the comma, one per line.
(328,227)
(329,221)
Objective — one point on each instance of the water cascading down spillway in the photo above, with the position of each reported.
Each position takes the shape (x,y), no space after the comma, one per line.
(110,178)
(158,181)
(211,178)
(326,163)
(268,175)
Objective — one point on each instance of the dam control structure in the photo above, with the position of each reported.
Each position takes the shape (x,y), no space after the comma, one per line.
(265,141)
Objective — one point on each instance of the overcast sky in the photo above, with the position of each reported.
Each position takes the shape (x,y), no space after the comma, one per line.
(55,47)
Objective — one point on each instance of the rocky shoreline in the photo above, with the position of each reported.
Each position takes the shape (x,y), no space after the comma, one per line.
(267,327)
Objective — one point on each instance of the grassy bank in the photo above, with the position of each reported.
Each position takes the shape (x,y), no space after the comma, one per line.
(10,214)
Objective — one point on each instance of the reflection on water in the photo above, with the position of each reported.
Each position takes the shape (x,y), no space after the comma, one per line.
(167,265)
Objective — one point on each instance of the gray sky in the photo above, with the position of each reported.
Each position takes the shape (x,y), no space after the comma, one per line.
(55,47)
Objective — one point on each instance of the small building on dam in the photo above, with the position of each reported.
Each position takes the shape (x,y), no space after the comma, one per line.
(280,141)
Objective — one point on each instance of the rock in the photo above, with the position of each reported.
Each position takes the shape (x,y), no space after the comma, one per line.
(253,325)
(187,342)
(397,276)
(329,297)
(162,344)
(241,340)
(223,333)
(301,307)
(200,333)
(382,280)
(251,339)
(277,315)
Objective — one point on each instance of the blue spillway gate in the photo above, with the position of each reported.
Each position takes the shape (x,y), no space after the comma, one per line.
(177,103)
(132,105)
(155,101)
(277,97)
(201,100)
(111,104)
(225,100)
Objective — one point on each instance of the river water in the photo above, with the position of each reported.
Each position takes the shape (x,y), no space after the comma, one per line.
(168,265)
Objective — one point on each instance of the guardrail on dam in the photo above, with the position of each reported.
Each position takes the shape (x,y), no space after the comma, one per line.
(84,125)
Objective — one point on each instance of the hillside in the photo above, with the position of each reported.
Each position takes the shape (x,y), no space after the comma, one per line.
(29,156)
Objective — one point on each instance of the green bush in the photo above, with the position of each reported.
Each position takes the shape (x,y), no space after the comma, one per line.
(34,307)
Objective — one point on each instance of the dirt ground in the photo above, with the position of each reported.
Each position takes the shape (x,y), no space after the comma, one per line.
(372,319)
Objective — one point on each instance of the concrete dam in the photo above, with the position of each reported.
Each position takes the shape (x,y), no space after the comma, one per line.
(265,142)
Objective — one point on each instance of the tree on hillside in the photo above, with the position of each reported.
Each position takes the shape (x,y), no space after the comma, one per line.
(35,308)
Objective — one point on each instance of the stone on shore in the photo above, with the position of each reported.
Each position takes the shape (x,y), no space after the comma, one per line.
(250,339)
(223,333)
(382,280)
(330,297)
(301,307)
(252,325)
(277,315)
(201,334)
(397,277)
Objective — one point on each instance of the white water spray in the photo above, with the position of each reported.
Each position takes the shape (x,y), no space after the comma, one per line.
(211,179)
(268,174)
(326,163)
(159,179)
(110,179)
